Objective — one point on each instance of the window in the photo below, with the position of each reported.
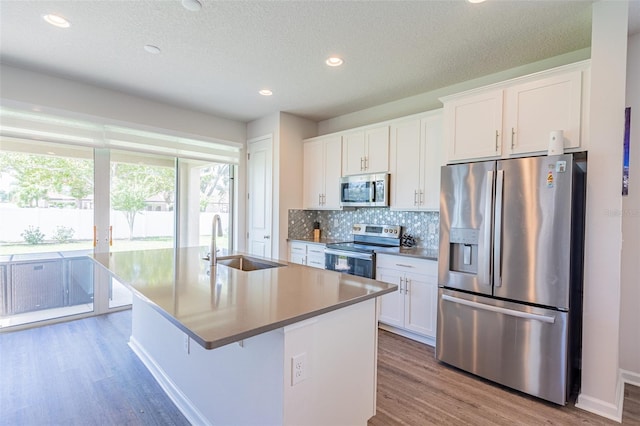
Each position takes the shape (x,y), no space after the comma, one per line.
(64,181)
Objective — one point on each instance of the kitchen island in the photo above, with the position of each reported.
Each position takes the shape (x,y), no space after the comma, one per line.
(282,345)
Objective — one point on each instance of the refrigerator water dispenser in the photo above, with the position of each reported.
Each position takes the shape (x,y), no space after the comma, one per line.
(463,246)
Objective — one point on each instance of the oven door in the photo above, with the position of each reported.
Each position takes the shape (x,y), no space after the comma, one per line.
(349,262)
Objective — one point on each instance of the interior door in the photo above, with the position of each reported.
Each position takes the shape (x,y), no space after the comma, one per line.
(259,194)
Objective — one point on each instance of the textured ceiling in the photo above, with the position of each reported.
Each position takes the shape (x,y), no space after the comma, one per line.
(217,59)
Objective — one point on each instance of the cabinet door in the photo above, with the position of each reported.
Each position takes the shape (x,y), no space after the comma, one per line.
(391,304)
(298,253)
(533,110)
(420,304)
(313,174)
(353,153)
(433,156)
(473,126)
(332,172)
(406,164)
(315,255)
(377,150)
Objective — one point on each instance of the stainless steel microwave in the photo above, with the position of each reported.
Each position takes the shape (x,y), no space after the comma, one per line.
(371,190)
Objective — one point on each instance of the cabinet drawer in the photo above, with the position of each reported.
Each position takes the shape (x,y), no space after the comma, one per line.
(315,250)
(300,248)
(316,261)
(407,264)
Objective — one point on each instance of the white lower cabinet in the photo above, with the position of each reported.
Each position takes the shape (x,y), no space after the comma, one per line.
(310,254)
(413,307)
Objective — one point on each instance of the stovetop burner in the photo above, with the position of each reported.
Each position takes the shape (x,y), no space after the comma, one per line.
(370,238)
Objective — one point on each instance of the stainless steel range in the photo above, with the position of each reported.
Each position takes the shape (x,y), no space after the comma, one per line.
(358,256)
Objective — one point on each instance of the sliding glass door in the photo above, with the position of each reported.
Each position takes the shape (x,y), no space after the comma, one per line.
(46,210)
(142,208)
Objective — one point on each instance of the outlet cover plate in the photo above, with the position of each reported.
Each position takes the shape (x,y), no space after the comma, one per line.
(298,368)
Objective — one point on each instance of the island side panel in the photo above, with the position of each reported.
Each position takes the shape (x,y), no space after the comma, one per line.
(232,384)
(339,352)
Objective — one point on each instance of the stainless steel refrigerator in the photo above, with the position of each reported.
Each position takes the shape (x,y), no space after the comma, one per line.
(510,271)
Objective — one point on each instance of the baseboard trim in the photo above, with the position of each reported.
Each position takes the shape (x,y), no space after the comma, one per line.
(408,334)
(630,377)
(193,415)
(605,409)
(602,408)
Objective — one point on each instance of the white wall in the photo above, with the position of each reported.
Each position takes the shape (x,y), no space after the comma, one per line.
(55,93)
(429,101)
(292,131)
(600,390)
(630,288)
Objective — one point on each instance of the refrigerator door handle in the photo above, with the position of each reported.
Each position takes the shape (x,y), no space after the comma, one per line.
(497,229)
(485,266)
(498,309)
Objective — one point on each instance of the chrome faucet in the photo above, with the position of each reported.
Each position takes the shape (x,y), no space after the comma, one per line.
(216,228)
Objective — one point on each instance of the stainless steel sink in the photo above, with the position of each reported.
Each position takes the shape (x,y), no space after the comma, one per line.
(246,263)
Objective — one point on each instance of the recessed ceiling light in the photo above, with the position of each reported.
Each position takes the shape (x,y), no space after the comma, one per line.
(192,5)
(334,61)
(265,92)
(56,20)
(150,48)
(476,1)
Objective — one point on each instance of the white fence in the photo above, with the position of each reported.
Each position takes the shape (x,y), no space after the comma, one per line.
(14,221)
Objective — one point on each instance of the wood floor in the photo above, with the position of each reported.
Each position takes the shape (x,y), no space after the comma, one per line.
(83,373)
(79,373)
(415,389)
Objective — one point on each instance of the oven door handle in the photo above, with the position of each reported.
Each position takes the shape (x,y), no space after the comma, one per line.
(365,256)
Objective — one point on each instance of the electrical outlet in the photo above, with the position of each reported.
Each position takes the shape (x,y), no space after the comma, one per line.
(432,228)
(298,368)
(187,343)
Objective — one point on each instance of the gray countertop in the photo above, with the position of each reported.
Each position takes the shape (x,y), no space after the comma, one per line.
(233,305)
(419,252)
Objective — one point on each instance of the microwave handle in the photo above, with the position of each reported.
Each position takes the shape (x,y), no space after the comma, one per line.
(372,191)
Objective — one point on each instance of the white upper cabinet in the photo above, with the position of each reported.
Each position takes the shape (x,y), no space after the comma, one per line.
(321,173)
(515,118)
(365,151)
(415,159)
(535,109)
(473,126)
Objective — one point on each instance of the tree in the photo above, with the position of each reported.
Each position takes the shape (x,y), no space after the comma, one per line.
(214,184)
(37,175)
(133,184)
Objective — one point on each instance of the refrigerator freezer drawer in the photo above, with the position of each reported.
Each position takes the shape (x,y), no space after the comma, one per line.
(522,347)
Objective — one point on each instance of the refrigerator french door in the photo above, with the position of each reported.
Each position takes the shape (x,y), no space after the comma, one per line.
(510,267)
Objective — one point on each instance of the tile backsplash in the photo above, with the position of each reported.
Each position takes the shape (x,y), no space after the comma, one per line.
(424,226)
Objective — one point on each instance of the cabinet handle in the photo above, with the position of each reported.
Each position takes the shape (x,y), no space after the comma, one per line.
(407,283)
(420,201)
(513,132)
(497,134)
(403,265)
(415,196)
(366,162)
(361,163)
(401,281)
